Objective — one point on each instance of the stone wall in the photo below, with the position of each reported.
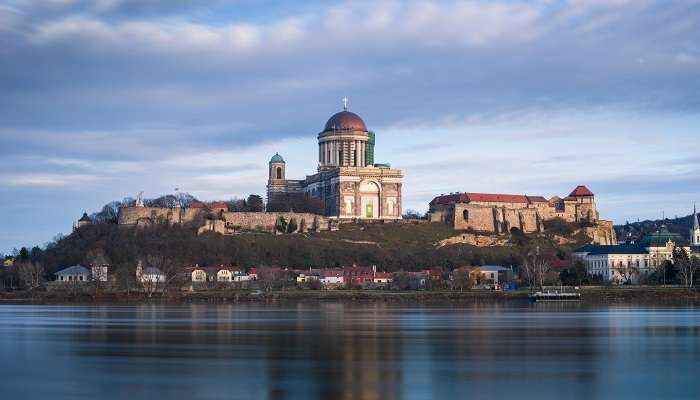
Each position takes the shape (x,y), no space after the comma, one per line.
(492,219)
(234,222)
(222,222)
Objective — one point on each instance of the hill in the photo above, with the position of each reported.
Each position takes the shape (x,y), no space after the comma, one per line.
(636,230)
(391,246)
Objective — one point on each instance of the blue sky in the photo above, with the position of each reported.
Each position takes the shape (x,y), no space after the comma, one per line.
(102,99)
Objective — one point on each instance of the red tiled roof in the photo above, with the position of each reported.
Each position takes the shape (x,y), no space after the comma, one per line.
(218,204)
(480,197)
(197,204)
(536,199)
(497,198)
(383,275)
(581,190)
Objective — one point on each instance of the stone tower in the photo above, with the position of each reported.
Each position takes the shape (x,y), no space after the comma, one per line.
(276,182)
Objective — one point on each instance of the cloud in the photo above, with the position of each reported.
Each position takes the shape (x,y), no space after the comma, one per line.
(45,179)
(111,97)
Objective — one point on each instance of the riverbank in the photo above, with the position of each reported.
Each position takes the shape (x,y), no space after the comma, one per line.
(589,296)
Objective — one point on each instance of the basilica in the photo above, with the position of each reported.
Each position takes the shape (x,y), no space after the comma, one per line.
(348,184)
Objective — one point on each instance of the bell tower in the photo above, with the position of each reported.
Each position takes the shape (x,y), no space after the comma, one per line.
(276,182)
(277,167)
(695,231)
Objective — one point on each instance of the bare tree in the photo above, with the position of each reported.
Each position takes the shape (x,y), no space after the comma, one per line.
(31,274)
(687,266)
(626,271)
(461,278)
(535,268)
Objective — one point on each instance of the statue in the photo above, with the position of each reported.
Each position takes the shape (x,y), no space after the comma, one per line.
(139,200)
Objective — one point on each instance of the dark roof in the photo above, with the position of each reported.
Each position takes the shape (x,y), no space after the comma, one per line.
(617,249)
(85,218)
(345,120)
(580,190)
(585,248)
(75,269)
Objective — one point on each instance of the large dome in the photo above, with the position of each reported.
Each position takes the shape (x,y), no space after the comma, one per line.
(345,120)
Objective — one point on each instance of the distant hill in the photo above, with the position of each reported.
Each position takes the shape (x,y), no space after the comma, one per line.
(635,230)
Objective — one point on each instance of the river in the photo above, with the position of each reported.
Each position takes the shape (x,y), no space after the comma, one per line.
(348,351)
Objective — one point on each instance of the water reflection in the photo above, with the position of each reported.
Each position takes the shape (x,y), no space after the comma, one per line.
(348,351)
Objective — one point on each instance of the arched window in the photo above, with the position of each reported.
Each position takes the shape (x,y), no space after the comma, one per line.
(279,172)
(465,215)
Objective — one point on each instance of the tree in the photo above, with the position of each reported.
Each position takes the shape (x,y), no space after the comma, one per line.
(31,274)
(281,225)
(535,268)
(23,253)
(413,214)
(292,226)
(626,271)
(687,266)
(254,203)
(461,278)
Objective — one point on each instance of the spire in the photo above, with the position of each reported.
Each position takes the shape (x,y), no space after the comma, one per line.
(696,226)
(345,103)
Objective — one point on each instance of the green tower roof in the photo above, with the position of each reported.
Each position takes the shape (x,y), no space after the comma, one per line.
(277,158)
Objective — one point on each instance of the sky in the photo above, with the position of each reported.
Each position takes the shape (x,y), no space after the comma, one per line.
(102,99)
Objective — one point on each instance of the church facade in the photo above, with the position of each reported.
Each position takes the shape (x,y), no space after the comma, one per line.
(348,183)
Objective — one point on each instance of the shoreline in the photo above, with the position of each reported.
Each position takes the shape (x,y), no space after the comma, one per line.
(589,296)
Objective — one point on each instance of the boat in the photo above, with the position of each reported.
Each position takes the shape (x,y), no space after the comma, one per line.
(554,296)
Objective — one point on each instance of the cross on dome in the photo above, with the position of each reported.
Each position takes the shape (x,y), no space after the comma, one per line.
(345,103)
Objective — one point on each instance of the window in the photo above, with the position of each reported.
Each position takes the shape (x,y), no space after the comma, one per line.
(465,215)
(279,172)
(340,157)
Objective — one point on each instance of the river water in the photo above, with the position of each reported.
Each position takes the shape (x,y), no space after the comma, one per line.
(347,351)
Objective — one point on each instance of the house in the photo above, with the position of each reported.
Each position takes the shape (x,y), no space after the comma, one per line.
(359,275)
(76,273)
(253,274)
(493,276)
(308,276)
(383,277)
(332,277)
(150,275)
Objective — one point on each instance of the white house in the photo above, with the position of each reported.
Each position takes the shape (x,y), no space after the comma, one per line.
(150,275)
(76,273)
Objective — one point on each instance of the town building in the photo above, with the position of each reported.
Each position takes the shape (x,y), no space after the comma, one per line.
(631,262)
(75,273)
(493,276)
(348,183)
(501,213)
(150,275)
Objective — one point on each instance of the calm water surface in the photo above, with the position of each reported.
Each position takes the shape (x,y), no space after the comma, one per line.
(341,351)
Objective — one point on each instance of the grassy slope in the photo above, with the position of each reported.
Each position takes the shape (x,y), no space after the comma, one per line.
(389,246)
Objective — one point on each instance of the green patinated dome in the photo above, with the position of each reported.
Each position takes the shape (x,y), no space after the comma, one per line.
(277,158)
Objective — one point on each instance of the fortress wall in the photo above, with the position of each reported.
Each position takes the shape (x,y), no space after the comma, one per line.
(494,219)
(266,220)
(479,218)
(226,222)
